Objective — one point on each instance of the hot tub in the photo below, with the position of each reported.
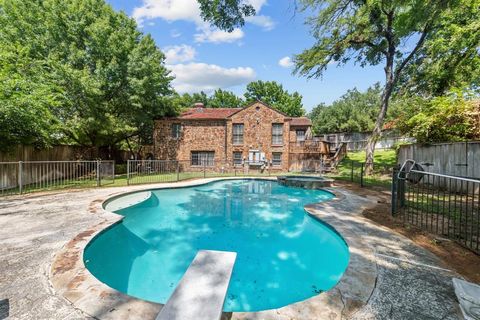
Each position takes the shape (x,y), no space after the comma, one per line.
(307,182)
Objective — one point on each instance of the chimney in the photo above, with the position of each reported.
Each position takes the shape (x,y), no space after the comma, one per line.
(199,105)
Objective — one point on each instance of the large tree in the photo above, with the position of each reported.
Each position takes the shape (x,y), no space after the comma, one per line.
(372,32)
(273,94)
(90,69)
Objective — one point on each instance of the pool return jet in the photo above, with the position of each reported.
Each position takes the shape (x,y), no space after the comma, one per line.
(201,292)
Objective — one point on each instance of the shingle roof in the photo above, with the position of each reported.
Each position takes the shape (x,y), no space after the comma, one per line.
(208,113)
(300,121)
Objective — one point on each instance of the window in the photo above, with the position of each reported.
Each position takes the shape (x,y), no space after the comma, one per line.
(238,133)
(176,130)
(277,158)
(277,133)
(237,158)
(300,135)
(203,158)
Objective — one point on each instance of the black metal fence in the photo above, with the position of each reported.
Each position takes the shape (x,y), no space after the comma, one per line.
(29,176)
(441,204)
(158,171)
(354,171)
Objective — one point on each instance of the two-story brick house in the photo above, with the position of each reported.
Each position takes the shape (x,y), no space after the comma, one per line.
(256,136)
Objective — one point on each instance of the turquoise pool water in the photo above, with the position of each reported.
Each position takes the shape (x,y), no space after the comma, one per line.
(283,255)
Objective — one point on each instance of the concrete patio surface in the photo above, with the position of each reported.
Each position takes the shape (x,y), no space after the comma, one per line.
(409,284)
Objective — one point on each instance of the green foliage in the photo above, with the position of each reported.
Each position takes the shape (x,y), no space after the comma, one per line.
(369,32)
(225,99)
(449,118)
(84,73)
(28,99)
(273,94)
(450,57)
(355,111)
(226,14)
(219,99)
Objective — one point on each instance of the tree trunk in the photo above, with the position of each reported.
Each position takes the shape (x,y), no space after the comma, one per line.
(377,130)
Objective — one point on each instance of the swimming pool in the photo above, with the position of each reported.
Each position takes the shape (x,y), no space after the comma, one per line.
(283,254)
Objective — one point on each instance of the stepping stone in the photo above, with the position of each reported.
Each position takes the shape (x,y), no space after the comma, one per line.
(201,292)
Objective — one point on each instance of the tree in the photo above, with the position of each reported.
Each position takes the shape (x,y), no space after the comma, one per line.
(225,99)
(355,111)
(450,58)
(449,118)
(95,74)
(273,94)
(226,14)
(371,32)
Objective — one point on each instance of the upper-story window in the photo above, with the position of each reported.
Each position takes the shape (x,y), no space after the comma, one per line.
(300,135)
(238,133)
(176,130)
(277,133)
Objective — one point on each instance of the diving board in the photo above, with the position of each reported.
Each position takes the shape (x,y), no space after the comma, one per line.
(201,292)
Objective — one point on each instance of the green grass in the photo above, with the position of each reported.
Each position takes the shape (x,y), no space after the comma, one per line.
(384,160)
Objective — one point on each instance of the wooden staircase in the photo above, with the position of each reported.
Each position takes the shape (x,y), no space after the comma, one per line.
(336,155)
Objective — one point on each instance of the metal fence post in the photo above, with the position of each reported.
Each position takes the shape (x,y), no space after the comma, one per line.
(204,169)
(20,177)
(178,171)
(394,194)
(113,172)
(351,173)
(98,174)
(128,172)
(361,175)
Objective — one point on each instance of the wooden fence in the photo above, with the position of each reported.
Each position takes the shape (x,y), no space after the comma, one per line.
(461,159)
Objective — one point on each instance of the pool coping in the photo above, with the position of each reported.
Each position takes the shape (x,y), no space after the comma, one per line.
(71,279)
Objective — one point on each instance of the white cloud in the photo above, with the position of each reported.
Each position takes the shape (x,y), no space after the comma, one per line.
(175,33)
(263,21)
(285,62)
(189,10)
(181,53)
(194,77)
(214,35)
(169,10)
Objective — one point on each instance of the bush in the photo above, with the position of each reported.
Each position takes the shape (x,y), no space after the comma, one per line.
(121,168)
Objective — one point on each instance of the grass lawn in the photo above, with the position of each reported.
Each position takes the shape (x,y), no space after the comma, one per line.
(385,160)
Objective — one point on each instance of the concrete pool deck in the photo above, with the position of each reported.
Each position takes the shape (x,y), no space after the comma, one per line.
(394,278)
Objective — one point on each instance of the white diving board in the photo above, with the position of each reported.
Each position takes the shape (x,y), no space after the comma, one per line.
(201,292)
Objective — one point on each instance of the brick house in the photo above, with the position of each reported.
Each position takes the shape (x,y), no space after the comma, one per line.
(256,137)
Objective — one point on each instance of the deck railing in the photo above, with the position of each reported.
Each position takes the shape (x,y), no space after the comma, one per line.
(308,146)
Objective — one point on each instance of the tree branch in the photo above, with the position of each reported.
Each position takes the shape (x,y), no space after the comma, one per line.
(413,52)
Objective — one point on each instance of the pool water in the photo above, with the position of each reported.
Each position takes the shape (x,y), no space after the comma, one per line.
(283,254)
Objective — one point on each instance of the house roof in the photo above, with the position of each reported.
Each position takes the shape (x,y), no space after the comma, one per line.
(202,113)
(208,113)
(300,121)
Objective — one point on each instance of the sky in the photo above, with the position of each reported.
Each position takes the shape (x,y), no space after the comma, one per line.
(205,58)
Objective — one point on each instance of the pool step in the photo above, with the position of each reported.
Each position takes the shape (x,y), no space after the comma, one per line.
(201,292)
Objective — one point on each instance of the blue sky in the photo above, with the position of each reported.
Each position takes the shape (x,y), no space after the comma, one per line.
(203,58)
